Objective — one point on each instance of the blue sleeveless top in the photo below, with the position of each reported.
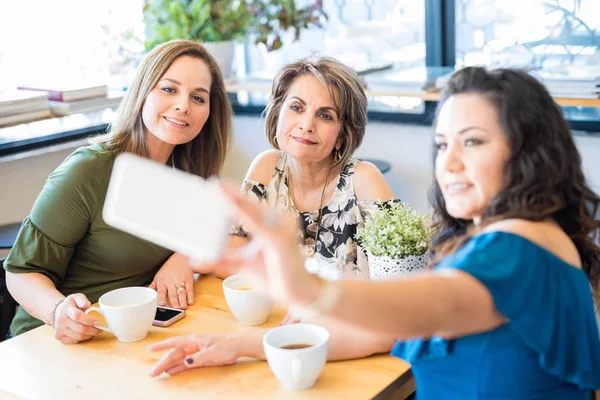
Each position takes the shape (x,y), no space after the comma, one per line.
(549,348)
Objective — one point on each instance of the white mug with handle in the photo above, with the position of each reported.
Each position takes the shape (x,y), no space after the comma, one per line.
(128,312)
(297,354)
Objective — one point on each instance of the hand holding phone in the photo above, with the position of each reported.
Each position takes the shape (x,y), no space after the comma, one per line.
(166,316)
(171,208)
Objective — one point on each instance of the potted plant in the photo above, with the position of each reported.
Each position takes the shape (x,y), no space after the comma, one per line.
(274,18)
(215,23)
(219,23)
(397,239)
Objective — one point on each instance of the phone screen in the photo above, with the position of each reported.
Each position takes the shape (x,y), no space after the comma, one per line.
(165,314)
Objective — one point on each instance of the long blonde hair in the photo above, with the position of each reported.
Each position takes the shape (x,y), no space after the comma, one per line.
(205,154)
(351,102)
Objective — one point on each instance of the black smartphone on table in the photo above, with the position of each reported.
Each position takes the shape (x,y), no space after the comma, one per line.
(166,316)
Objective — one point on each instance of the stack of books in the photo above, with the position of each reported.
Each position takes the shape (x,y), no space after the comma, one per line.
(576,82)
(20,106)
(76,98)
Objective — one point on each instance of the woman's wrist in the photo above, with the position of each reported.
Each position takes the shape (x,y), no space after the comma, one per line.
(250,343)
(320,296)
(52,315)
(308,291)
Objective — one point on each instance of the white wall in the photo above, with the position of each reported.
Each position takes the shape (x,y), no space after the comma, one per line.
(406,147)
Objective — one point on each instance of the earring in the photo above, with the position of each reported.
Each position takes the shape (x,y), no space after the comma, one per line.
(337,155)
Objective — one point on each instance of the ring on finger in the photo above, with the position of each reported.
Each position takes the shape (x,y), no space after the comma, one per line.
(180,287)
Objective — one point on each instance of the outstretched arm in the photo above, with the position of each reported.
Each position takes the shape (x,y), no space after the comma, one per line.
(193,351)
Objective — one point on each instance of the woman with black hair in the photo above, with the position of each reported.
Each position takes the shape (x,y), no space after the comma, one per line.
(508,310)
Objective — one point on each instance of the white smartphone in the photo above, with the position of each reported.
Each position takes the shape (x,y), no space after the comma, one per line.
(166,316)
(173,209)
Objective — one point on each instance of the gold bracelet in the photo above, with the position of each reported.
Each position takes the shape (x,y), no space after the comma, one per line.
(53,312)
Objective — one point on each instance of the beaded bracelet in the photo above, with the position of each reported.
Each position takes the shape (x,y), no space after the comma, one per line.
(53,312)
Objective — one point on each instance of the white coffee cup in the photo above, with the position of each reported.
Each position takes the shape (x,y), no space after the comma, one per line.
(128,312)
(249,305)
(297,368)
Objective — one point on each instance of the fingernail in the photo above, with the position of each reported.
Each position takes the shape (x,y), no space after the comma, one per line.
(189,361)
(163,303)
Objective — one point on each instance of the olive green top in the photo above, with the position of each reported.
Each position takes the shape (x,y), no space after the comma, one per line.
(66,239)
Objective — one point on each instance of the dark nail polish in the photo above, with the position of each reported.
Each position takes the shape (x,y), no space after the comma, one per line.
(189,361)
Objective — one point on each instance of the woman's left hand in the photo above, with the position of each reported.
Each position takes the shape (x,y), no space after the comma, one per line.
(194,351)
(174,283)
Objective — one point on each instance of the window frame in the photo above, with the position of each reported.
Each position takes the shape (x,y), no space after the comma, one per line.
(440,42)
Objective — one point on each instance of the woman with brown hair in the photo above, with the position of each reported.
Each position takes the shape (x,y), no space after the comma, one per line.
(508,311)
(176,112)
(315,119)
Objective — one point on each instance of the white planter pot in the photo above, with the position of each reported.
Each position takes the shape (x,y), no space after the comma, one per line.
(224,53)
(384,267)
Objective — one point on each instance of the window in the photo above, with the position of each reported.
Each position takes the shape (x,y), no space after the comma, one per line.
(532,33)
(364,34)
(91,41)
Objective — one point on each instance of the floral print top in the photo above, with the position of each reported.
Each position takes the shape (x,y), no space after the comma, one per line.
(336,245)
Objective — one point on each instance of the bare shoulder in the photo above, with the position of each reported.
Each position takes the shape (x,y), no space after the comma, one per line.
(545,234)
(370,184)
(261,168)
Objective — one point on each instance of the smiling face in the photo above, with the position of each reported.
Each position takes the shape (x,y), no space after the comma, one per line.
(308,125)
(177,108)
(472,151)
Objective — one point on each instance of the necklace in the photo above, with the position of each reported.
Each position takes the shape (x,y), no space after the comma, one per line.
(320,213)
(314,249)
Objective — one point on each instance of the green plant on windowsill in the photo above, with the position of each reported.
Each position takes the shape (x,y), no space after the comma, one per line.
(201,20)
(224,20)
(274,18)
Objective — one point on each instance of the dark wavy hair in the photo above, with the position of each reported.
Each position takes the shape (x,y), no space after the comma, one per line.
(543,177)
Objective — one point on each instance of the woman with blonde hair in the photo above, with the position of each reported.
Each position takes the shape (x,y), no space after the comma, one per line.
(65,257)
(315,119)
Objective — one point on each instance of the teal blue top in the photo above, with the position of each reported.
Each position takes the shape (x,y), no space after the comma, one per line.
(549,349)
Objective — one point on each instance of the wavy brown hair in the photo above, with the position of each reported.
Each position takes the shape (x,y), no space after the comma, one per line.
(543,177)
(351,102)
(205,154)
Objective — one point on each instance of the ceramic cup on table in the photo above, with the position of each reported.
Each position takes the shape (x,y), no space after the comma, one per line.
(248,304)
(296,354)
(128,312)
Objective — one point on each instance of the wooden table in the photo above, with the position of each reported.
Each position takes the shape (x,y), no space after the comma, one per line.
(36,366)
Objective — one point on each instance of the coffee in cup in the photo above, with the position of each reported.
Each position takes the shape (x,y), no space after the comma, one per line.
(248,305)
(295,346)
(296,354)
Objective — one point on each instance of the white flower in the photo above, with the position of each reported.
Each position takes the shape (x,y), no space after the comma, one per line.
(396,231)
